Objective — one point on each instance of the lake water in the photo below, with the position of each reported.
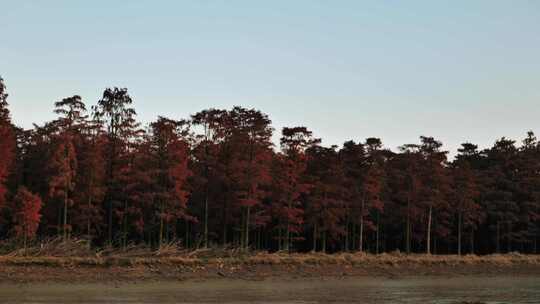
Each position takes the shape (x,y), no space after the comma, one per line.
(348,290)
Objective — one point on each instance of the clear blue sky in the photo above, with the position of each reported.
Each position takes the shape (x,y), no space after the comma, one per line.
(456,70)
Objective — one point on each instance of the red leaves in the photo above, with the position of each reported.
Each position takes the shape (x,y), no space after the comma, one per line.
(325,203)
(7,142)
(26,208)
(169,153)
(7,156)
(221,176)
(63,168)
(289,181)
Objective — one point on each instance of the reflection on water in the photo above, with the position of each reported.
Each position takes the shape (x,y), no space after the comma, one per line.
(350,290)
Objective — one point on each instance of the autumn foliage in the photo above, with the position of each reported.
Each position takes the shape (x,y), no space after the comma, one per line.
(26,214)
(218,179)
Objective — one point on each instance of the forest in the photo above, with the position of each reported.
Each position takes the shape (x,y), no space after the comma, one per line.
(215,178)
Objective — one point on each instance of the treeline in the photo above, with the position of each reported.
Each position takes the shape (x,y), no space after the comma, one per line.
(217,179)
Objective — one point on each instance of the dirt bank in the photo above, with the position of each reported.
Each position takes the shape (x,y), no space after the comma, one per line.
(259,267)
(342,290)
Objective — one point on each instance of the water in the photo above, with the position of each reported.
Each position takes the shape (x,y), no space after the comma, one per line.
(436,290)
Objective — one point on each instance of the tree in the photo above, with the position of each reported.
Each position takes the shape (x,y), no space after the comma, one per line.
(72,114)
(63,162)
(406,183)
(353,156)
(465,194)
(500,199)
(206,155)
(169,152)
(527,229)
(372,185)
(250,136)
(136,197)
(115,113)
(90,190)
(34,150)
(105,178)
(289,182)
(26,207)
(436,184)
(325,203)
(7,143)
(63,165)
(372,202)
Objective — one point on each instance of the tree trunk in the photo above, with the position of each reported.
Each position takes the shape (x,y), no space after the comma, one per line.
(354,236)
(259,236)
(459,232)
(206,220)
(279,238)
(347,231)
(509,238)
(428,247)
(161,227)
(361,243)
(224,227)
(498,237)
(125,224)
(59,229)
(167,232)
(65,215)
(472,240)
(288,231)
(224,234)
(110,221)
(187,233)
(408,228)
(324,242)
(377,233)
(315,237)
(88,222)
(246,232)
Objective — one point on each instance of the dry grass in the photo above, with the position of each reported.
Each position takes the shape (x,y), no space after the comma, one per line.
(55,247)
(204,257)
(74,252)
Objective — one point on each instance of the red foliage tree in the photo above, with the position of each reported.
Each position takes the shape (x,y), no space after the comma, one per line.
(465,194)
(115,114)
(325,206)
(169,153)
(250,139)
(107,178)
(353,156)
(26,214)
(7,143)
(406,186)
(63,167)
(205,154)
(436,187)
(528,166)
(90,185)
(289,183)
(135,198)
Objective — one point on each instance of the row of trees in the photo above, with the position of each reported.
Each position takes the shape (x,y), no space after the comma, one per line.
(216,179)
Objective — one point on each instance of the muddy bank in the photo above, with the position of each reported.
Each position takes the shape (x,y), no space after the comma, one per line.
(417,289)
(259,267)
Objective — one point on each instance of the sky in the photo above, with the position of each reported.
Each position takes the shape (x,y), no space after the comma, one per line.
(460,71)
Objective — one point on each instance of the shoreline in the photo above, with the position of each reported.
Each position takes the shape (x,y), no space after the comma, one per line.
(258,267)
